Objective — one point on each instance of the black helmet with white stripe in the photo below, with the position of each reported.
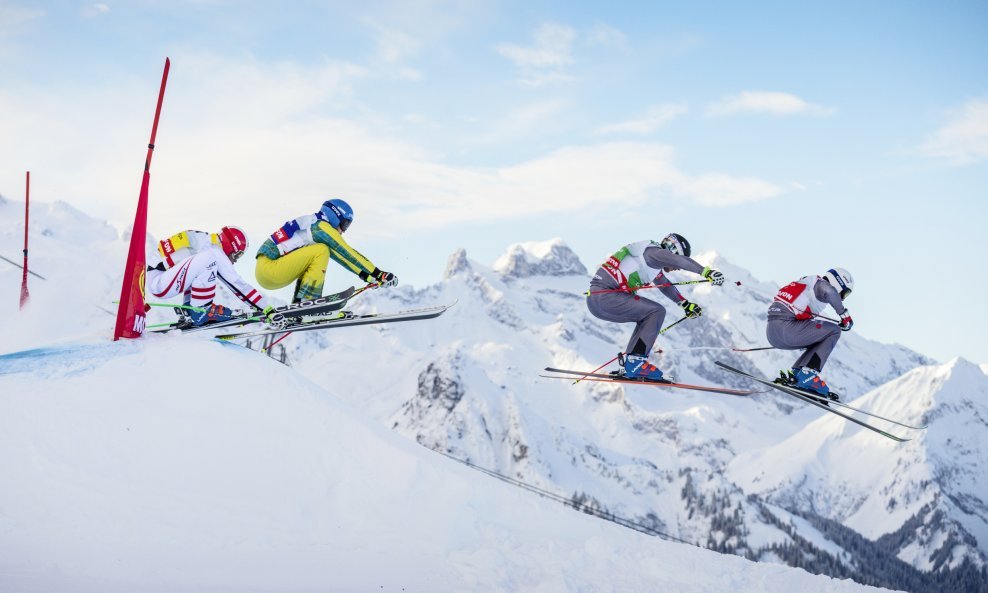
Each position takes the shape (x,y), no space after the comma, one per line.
(676,243)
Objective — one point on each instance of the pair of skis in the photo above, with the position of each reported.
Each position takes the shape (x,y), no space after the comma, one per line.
(292,311)
(805,396)
(824,404)
(343,319)
(601,378)
(322,313)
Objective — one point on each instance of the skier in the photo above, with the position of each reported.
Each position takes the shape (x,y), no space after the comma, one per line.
(300,250)
(190,263)
(794,322)
(613,295)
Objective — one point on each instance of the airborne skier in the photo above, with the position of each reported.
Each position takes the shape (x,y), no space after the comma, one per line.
(300,250)
(794,322)
(190,263)
(613,295)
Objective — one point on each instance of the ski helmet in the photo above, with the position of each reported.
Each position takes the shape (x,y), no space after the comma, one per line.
(677,244)
(841,280)
(337,213)
(234,242)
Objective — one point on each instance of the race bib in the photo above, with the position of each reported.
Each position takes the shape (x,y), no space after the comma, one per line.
(285,232)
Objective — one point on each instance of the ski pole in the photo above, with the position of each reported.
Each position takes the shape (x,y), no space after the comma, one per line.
(173,306)
(672,325)
(644,286)
(596,369)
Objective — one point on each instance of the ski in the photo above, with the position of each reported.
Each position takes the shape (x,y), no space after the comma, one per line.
(601,378)
(316,307)
(811,400)
(832,402)
(345,319)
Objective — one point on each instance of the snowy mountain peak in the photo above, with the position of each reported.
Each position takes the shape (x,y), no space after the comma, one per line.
(457,264)
(545,258)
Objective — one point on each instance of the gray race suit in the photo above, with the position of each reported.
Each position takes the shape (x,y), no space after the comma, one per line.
(627,307)
(819,337)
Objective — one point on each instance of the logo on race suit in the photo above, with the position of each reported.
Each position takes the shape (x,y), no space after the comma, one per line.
(286,231)
(167,248)
(791,292)
(212,277)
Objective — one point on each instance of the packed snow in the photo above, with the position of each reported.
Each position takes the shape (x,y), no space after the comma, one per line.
(172,464)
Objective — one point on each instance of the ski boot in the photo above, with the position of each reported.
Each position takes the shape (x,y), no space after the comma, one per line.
(211,314)
(636,366)
(807,379)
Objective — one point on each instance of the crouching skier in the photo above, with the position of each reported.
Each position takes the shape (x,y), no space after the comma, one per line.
(300,250)
(613,295)
(191,262)
(794,323)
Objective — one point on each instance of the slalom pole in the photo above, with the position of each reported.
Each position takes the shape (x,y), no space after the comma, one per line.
(131,312)
(25,296)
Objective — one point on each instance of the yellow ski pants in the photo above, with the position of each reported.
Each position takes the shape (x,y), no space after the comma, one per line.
(305,266)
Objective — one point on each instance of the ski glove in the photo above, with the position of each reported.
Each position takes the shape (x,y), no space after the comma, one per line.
(692,309)
(273,317)
(714,276)
(846,323)
(386,279)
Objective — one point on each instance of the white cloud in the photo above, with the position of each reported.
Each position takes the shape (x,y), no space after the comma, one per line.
(14,21)
(656,117)
(963,139)
(765,102)
(547,59)
(95,10)
(607,36)
(251,143)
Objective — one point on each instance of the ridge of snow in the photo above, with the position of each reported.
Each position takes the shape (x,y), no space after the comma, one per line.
(242,475)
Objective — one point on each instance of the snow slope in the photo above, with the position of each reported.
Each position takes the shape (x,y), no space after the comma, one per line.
(186,465)
(931,490)
(467,382)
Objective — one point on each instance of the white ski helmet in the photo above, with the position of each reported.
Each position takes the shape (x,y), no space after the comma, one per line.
(841,280)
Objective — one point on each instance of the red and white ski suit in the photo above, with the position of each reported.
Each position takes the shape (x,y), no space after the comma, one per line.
(190,263)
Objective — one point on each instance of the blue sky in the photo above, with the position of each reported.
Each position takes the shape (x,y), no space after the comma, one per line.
(789,137)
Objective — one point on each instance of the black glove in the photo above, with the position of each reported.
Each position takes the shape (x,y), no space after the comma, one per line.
(692,309)
(715,277)
(846,323)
